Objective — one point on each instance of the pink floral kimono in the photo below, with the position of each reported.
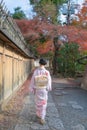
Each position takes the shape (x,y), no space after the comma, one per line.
(40,91)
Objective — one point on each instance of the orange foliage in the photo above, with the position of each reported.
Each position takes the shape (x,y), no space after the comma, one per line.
(33,28)
(46,47)
(82,15)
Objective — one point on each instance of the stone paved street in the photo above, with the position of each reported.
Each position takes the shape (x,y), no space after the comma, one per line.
(67,110)
(71,103)
(29,122)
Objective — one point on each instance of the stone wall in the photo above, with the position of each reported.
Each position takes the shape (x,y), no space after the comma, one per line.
(84,80)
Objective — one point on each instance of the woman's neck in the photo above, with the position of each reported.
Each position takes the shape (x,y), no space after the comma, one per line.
(42,66)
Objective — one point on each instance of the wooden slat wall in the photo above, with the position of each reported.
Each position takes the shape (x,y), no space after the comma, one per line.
(1,76)
(14,70)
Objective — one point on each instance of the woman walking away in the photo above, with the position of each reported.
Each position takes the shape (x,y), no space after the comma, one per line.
(40,85)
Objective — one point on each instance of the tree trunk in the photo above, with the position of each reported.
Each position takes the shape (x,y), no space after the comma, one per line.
(57,46)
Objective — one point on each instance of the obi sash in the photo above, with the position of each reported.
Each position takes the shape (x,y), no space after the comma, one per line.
(41,81)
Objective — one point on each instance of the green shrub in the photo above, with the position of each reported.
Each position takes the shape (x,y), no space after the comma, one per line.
(67,56)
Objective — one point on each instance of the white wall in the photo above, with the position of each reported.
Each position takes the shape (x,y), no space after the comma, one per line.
(36,63)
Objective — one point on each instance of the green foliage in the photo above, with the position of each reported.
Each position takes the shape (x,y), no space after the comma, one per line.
(67,56)
(83,61)
(47,9)
(42,38)
(33,49)
(18,13)
(46,1)
(58,2)
(84,53)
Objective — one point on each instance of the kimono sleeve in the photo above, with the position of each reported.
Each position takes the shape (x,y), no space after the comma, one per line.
(49,86)
(32,83)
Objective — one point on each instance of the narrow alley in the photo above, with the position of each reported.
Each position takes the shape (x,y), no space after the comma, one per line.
(67,109)
(23,41)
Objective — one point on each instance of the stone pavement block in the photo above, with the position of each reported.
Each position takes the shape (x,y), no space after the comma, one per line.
(27,111)
(37,126)
(52,112)
(22,127)
(62,104)
(78,107)
(78,127)
(72,102)
(51,109)
(56,123)
(50,100)
(28,100)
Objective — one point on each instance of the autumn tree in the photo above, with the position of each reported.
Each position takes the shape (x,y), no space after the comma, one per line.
(18,13)
(43,38)
(38,35)
(82,16)
(56,49)
(47,9)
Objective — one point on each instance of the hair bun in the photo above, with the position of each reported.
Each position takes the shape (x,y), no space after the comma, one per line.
(43,61)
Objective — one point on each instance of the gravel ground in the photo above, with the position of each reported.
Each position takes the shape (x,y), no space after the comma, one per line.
(71,103)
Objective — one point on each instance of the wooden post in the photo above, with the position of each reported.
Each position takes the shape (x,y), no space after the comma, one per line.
(3,71)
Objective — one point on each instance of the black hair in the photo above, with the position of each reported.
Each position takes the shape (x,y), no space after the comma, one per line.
(43,61)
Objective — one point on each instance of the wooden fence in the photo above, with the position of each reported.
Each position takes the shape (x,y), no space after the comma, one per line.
(16,60)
